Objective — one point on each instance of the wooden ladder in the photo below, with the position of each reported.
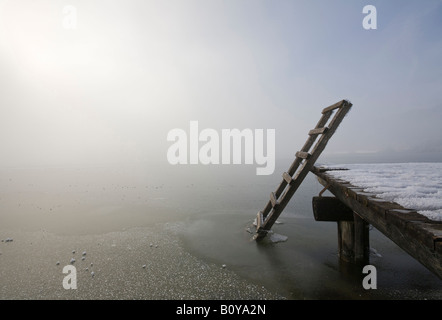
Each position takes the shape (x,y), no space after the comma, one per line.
(305,159)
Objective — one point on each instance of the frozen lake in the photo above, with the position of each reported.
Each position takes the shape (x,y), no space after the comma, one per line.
(210,211)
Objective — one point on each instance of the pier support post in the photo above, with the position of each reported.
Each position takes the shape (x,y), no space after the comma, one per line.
(354,241)
(346,235)
(353,231)
(361,240)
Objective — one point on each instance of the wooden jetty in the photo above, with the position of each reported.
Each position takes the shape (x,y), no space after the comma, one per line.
(354,210)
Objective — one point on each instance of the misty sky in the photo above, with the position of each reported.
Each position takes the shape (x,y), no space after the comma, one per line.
(110,90)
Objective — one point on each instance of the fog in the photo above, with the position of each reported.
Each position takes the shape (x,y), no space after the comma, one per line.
(108,90)
(93,95)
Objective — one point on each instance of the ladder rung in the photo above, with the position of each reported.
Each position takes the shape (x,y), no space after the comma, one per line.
(318,131)
(259,220)
(303,155)
(287,177)
(333,107)
(273,199)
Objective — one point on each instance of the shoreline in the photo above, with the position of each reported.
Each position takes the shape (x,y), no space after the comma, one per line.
(29,270)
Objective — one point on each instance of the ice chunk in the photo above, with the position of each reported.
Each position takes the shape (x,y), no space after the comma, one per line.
(374,252)
(275,238)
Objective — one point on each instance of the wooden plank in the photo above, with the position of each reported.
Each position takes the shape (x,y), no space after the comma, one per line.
(418,232)
(318,131)
(429,232)
(401,217)
(378,205)
(382,207)
(364,197)
(418,239)
(352,192)
(303,155)
(287,177)
(330,209)
(435,229)
(333,107)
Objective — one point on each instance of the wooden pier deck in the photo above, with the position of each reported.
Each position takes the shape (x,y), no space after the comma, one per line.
(414,233)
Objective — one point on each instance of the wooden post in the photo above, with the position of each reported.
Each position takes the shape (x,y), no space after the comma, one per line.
(361,241)
(346,232)
(354,241)
(353,231)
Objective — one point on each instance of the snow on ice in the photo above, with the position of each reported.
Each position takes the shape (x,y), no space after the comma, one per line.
(415,186)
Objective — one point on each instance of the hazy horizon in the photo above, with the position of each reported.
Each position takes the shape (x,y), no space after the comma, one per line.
(109,90)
